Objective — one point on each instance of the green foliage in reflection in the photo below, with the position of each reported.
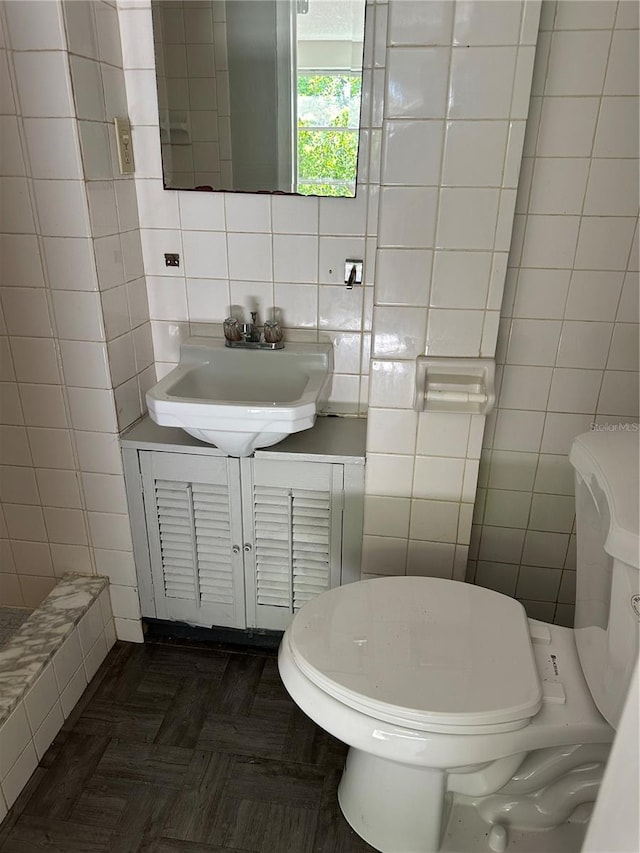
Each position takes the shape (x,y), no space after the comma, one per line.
(326,155)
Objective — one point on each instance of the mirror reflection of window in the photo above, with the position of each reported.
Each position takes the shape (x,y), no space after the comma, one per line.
(329,88)
(259,95)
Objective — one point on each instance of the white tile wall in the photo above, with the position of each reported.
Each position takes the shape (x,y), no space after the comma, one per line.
(70,230)
(568,338)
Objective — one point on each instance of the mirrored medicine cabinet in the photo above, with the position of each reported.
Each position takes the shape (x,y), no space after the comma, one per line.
(260,95)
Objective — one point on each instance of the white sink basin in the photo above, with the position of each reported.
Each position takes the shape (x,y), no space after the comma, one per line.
(242,399)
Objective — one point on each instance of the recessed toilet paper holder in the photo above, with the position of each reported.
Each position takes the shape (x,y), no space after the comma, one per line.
(463,385)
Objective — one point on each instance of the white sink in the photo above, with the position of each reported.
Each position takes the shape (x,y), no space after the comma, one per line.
(242,399)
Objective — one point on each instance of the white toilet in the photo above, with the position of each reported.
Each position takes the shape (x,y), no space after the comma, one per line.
(446,692)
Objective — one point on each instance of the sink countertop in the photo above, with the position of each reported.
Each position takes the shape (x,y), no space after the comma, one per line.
(331,439)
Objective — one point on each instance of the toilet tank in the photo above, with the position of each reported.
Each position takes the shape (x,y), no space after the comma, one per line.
(607,614)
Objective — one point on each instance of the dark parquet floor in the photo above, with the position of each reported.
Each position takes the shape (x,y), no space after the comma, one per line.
(184,749)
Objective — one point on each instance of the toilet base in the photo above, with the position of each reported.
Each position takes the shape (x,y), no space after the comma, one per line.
(396,808)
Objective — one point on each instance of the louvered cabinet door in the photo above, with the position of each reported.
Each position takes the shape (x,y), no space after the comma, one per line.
(294,513)
(194,520)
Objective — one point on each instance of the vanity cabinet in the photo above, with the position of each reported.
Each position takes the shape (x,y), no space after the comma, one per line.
(243,543)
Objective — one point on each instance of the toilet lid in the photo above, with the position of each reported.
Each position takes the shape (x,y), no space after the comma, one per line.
(422,652)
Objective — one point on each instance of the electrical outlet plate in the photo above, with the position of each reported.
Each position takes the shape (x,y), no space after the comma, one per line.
(124,146)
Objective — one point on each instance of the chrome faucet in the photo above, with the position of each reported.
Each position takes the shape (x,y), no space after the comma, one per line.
(249,336)
(250,332)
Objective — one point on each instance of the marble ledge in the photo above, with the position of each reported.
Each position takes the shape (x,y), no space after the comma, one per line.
(39,638)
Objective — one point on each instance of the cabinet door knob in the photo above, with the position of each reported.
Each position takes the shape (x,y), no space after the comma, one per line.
(247,547)
(236,549)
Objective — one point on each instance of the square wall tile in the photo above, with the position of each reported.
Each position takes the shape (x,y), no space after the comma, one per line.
(443,434)
(438,478)
(567,126)
(486,23)
(555,513)
(391,431)
(65,526)
(412,151)
(387,516)
(407,217)
(534,342)
(389,475)
(559,185)
(574,390)
(525,388)
(474,153)
(297,306)
(345,395)
(555,475)
(78,315)
(110,530)
(577,63)
(249,257)
(294,215)
(392,384)
(585,344)
(54,148)
(295,258)
(454,332)
(561,428)
(340,309)
(550,241)
(518,430)
(505,508)
(467,218)
(345,216)
(402,276)
(512,470)
(545,549)
(541,294)
(43,405)
(247,212)
(416,82)
(85,364)
(436,521)
(538,584)
(62,208)
(460,279)
(399,332)
(44,84)
(481,81)
(384,555)
(501,544)
(205,254)
(70,263)
(604,242)
(414,22)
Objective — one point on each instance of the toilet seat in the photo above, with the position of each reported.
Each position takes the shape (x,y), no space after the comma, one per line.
(363,644)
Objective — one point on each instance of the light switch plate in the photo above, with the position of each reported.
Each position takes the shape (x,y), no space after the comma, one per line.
(124,146)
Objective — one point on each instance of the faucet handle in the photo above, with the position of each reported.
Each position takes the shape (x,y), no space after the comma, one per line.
(272,332)
(231,329)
